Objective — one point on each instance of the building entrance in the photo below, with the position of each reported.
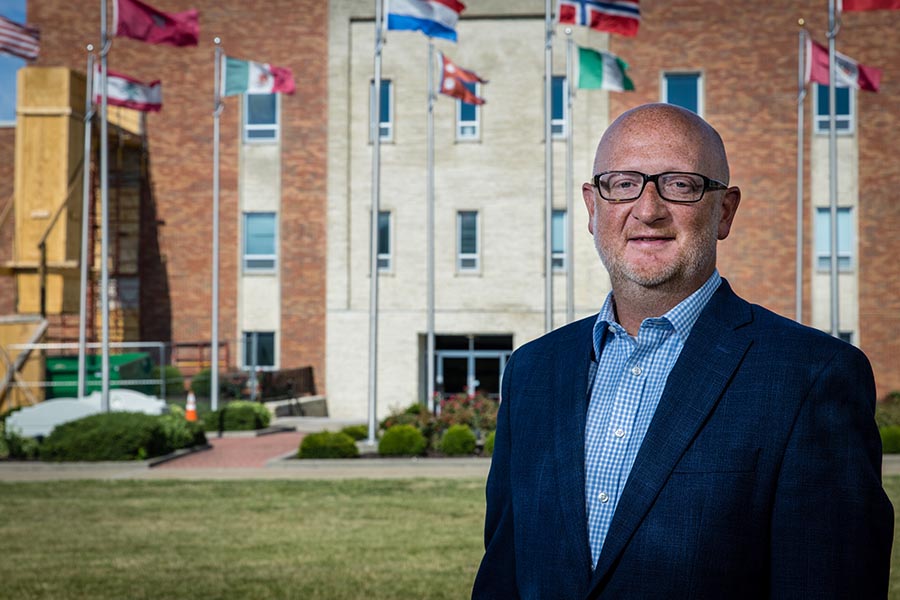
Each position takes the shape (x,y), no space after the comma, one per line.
(468,363)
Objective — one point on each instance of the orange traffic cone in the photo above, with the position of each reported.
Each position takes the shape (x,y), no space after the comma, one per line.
(190,411)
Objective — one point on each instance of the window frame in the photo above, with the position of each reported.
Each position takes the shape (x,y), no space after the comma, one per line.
(558,257)
(387,257)
(700,85)
(247,127)
(246,256)
(822,260)
(462,257)
(558,130)
(821,122)
(247,340)
(388,125)
(476,123)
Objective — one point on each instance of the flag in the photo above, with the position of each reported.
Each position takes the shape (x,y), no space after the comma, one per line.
(434,18)
(139,21)
(849,72)
(122,90)
(850,5)
(616,16)
(602,71)
(17,40)
(243,76)
(454,80)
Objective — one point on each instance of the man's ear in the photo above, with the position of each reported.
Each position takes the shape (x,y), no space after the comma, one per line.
(729,207)
(587,192)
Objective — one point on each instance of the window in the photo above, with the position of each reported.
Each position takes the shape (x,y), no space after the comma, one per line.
(386,122)
(558,106)
(844,241)
(384,241)
(558,236)
(259,349)
(843,117)
(684,90)
(468,116)
(467,241)
(259,241)
(260,117)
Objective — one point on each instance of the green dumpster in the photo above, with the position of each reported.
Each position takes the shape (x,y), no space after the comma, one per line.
(62,373)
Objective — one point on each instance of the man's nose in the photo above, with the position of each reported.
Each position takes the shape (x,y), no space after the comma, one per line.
(649,206)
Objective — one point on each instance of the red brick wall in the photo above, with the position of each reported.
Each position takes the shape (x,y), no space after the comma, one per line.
(747,52)
(177,224)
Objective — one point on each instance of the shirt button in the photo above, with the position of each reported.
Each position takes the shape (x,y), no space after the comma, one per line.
(620,432)
(604,497)
(636,371)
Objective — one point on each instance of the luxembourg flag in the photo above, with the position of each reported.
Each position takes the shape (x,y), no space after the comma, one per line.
(434,18)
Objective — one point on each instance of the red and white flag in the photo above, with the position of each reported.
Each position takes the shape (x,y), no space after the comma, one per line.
(454,80)
(851,5)
(125,91)
(849,73)
(140,21)
(17,40)
(614,16)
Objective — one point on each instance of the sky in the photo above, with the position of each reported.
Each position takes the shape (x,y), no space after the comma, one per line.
(15,11)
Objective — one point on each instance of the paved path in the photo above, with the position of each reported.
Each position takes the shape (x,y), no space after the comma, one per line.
(238,452)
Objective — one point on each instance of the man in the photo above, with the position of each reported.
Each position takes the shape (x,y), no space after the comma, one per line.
(683,443)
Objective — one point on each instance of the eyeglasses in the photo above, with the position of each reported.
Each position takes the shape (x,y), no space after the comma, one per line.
(672,186)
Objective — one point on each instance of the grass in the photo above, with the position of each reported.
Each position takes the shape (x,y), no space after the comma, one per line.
(251,539)
(245,539)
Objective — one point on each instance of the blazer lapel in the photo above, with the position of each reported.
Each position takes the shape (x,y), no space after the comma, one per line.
(710,356)
(571,364)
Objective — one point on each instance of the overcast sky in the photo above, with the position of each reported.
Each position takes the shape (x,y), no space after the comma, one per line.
(15,11)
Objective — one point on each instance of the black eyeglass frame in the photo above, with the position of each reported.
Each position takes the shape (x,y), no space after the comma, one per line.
(709,184)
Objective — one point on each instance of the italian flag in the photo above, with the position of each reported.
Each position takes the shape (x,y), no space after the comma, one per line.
(602,71)
(244,76)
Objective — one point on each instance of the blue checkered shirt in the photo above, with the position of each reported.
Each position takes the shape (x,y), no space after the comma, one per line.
(626,383)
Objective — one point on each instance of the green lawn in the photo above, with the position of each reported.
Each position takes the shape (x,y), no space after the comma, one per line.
(248,539)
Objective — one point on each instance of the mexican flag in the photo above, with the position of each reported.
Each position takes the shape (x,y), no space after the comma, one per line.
(244,76)
(602,71)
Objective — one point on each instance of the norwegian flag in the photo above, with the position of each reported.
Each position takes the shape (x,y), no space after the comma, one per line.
(454,80)
(616,16)
(17,40)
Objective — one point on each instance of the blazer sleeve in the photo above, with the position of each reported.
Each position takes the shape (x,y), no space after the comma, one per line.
(832,524)
(496,576)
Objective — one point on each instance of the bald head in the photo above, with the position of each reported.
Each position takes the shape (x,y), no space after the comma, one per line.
(677,130)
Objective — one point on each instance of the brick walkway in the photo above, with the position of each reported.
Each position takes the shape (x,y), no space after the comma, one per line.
(238,452)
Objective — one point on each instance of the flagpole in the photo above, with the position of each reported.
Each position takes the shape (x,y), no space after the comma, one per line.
(375,128)
(214,351)
(104,210)
(801,97)
(85,216)
(548,167)
(570,153)
(832,163)
(429,368)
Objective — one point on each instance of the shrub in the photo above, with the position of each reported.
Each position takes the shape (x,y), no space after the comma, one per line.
(174,381)
(107,436)
(327,444)
(418,416)
(13,445)
(237,415)
(887,411)
(357,432)
(478,412)
(890,439)
(179,432)
(402,440)
(228,387)
(458,440)
(489,444)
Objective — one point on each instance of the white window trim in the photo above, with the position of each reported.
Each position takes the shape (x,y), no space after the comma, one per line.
(389,126)
(460,136)
(460,256)
(276,127)
(827,255)
(561,135)
(245,257)
(701,86)
(821,122)
(389,256)
(562,254)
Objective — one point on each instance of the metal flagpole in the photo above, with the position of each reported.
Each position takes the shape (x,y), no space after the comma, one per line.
(104,210)
(801,97)
(570,152)
(214,351)
(429,228)
(85,216)
(375,128)
(832,163)
(548,167)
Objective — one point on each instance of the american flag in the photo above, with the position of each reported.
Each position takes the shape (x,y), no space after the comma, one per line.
(18,40)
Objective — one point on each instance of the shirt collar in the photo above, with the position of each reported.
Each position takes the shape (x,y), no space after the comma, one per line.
(682,316)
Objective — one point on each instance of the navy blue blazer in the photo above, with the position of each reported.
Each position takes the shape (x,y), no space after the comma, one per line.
(760,474)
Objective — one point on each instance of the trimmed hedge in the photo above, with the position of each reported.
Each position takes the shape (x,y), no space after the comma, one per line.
(402,440)
(489,444)
(237,415)
(180,432)
(458,440)
(107,436)
(327,444)
(357,432)
(890,439)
